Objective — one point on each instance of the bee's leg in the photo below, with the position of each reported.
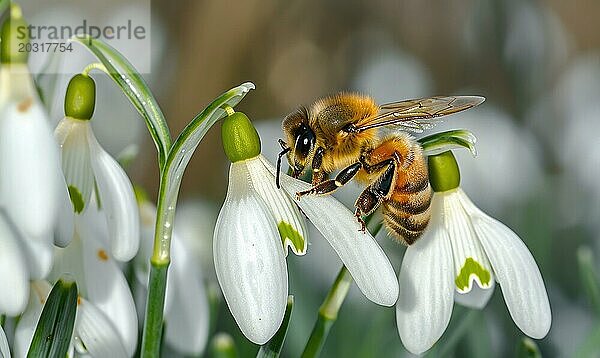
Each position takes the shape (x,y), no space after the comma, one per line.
(370,199)
(375,167)
(329,186)
(318,175)
(384,185)
(285,148)
(365,204)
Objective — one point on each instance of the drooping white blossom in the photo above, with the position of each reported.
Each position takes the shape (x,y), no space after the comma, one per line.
(460,257)
(90,171)
(106,322)
(258,221)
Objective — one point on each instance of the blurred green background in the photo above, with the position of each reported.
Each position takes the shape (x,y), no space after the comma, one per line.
(536,62)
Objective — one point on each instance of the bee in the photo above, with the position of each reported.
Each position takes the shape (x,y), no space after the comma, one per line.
(371,144)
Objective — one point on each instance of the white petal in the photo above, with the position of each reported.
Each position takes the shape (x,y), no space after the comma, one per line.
(186,313)
(362,255)
(107,290)
(30,164)
(70,260)
(65,225)
(516,272)
(16,83)
(97,333)
(476,298)
(471,265)
(290,222)
(14,274)
(426,287)
(249,259)
(72,136)
(118,202)
(38,255)
(4,349)
(26,325)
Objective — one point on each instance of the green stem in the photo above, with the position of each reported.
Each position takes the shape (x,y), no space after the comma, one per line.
(171,174)
(272,348)
(331,305)
(94,66)
(328,313)
(154,310)
(159,264)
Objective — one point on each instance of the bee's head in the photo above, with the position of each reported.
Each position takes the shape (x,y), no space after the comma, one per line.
(300,141)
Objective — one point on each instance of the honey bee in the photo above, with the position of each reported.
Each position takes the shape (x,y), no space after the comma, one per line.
(370,143)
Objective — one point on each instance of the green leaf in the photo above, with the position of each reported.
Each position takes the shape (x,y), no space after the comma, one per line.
(184,146)
(135,88)
(589,276)
(272,348)
(55,326)
(3,6)
(440,142)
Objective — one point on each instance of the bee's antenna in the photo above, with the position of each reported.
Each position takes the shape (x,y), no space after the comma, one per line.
(286,149)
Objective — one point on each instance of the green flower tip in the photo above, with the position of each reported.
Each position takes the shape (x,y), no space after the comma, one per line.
(14,37)
(291,236)
(444,174)
(471,267)
(76,199)
(240,138)
(80,99)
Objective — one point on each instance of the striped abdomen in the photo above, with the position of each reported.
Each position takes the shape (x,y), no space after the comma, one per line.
(407,210)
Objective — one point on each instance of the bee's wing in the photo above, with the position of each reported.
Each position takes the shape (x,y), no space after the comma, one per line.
(416,115)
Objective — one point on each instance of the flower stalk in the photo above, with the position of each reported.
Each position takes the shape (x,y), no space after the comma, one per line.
(157,286)
(272,348)
(171,175)
(159,265)
(328,314)
(330,307)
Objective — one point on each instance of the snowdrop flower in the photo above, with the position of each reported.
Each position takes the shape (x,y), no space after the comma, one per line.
(186,305)
(258,223)
(459,258)
(32,187)
(106,322)
(89,170)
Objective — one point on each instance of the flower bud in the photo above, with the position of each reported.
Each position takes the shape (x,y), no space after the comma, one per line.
(240,138)
(80,98)
(444,174)
(14,38)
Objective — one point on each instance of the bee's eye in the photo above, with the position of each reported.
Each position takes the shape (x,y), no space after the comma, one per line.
(305,141)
